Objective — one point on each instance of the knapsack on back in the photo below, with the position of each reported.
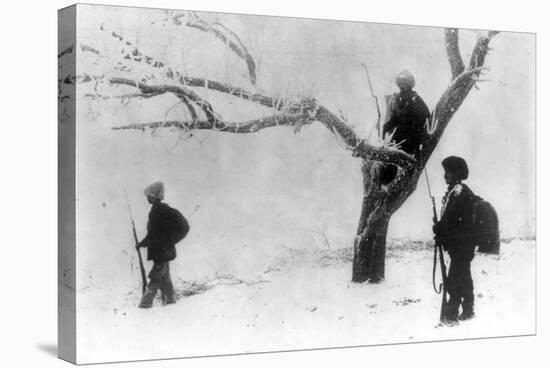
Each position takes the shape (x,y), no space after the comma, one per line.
(178,225)
(485,232)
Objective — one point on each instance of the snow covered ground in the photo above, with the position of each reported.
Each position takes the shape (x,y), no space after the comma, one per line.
(305,300)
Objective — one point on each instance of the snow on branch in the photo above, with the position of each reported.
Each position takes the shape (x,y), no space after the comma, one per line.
(358,146)
(245,127)
(191,19)
(185,94)
(320,113)
(293,113)
(242,93)
(481,49)
(287,111)
(386,155)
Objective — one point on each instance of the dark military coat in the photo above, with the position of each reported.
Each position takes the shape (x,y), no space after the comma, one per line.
(159,242)
(408,114)
(455,227)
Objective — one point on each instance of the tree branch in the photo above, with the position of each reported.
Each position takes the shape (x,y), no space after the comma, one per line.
(183,93)
(314,112)
(363,150)
(242,93)
(138,56)
(481,49)
(66,51)
(224,34)
(190,107)
(307,109)
(245,127)
(454,95)
(453,52)
(386,155)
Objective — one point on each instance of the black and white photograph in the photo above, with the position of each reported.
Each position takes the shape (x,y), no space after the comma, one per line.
(234,184)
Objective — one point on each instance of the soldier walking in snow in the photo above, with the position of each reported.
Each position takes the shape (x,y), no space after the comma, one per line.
(454,231)
(165,227)
(407,119)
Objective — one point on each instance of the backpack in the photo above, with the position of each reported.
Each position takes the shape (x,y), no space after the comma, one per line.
(485,232)
(178,227)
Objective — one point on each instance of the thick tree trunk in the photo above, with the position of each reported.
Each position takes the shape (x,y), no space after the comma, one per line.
(378,206)
(370,250)
(370,242)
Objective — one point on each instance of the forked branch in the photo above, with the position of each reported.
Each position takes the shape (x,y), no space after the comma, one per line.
(460,86)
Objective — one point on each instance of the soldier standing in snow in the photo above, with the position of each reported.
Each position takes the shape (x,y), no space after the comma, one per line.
(163,232)
(407,118)
(454,230)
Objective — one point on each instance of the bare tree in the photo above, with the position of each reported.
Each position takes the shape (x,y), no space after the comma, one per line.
(379,203)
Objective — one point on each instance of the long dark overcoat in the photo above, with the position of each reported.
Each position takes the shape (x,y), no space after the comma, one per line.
(159,242)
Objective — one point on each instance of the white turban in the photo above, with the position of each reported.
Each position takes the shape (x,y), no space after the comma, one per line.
(155,190)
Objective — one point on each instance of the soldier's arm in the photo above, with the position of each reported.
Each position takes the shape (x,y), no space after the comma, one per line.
(390,124)
(421,113)
(449,220)
(391,121)
(145,242)
(458,218)
(152,226)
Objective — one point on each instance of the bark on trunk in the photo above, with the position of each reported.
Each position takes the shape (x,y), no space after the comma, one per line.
(370,251)
(370,242)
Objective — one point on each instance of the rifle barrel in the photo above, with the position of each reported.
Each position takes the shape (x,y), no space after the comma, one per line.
(141,267)
(434,209)
(438,248)
(375,100)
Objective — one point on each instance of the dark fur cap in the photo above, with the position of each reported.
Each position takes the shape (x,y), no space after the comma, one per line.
(457,165)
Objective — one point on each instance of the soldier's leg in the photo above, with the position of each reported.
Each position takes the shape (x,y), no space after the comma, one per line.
(155,277)
(167,288)
(467,286)
(451,310)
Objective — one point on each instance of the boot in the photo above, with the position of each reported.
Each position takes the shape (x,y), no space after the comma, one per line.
(168,299)
(449,322)
(147,299)
(466,315)
(167,291)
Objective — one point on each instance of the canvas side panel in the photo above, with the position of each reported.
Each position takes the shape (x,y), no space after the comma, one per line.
(66,325)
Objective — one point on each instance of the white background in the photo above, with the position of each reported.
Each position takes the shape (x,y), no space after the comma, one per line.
(29,181)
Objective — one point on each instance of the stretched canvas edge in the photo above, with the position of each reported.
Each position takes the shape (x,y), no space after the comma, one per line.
(66,130)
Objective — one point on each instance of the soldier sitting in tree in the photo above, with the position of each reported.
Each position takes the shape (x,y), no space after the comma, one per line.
(165,227)
(454,231)
(407,118)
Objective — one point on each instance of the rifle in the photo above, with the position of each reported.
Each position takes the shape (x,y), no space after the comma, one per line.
(438,247)
(376,100)
(141,268)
